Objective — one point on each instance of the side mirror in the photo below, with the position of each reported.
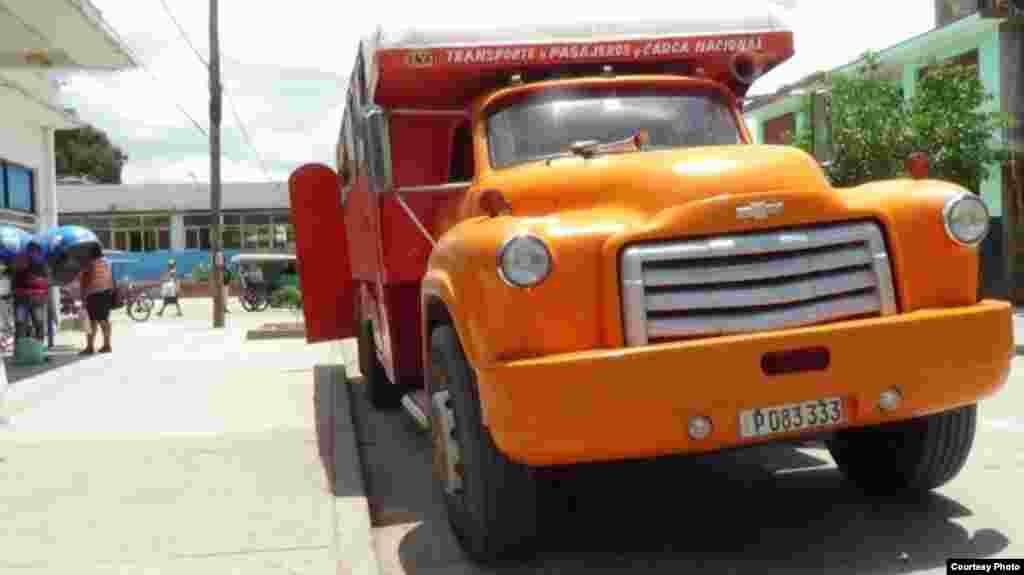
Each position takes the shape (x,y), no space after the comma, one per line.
(378,147)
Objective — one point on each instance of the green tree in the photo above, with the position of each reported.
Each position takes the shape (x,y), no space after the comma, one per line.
(88,152)
(874,128)
(947,121)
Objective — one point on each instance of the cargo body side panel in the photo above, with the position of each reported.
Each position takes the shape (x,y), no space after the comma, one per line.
(404,249)
(323,253)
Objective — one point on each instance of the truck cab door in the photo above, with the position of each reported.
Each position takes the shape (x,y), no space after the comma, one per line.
(321,245)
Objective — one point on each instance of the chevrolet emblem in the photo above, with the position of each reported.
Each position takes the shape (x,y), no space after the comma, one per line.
(758,210)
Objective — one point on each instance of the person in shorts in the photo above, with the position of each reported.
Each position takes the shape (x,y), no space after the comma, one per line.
(169,290)
(97,284)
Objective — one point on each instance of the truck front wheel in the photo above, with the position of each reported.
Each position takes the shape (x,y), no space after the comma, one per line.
(491,500)
(920,454)
(381,393)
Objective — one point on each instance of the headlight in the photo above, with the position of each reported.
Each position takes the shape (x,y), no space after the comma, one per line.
(524,261)
(966,219)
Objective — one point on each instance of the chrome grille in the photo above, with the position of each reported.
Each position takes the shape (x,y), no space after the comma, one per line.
(754,282)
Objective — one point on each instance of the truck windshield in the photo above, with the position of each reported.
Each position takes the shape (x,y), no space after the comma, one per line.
(545,124)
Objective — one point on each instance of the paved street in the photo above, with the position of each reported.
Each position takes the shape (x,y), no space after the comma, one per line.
(187,450)
(193,451)
(767,510)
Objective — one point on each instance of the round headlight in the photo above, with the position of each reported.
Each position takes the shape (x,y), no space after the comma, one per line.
(524,261)
(966,219)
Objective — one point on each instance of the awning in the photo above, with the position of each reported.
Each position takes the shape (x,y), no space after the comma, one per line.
(18,102)
(67,34)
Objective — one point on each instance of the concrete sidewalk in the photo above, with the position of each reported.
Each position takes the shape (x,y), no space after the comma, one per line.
(187,450)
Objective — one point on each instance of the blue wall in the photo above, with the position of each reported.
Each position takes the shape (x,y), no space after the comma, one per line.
(151,264)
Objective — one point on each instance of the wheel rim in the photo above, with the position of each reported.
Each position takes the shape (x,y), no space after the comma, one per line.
(447,451)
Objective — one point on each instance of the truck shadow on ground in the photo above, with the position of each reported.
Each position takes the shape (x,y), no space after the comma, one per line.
(774,508)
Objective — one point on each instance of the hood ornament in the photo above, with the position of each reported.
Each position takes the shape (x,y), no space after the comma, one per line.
(758,210)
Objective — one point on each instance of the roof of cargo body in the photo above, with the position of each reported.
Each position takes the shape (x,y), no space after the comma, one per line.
(445,65)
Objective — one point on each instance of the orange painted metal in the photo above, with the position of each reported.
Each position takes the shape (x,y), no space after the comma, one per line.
(605,405)
(322,249)
(556,381)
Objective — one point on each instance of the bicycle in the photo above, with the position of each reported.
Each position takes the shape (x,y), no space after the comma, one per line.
(138,303)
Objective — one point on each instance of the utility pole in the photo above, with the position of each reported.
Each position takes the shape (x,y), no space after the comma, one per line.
(217,277)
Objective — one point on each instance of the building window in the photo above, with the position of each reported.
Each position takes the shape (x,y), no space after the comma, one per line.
(232,237)
(197,238)
(282,231)
(17,184)
(126,233)
(197,232)
(256,231)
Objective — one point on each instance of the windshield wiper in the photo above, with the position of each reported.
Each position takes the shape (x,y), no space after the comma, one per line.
(591,148)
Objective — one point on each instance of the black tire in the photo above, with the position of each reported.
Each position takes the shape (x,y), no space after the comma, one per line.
(494,515)
(138,310)
(253,301)
(381,393)
(916,455)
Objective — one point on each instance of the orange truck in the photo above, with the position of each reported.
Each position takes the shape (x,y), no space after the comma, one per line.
(558,245)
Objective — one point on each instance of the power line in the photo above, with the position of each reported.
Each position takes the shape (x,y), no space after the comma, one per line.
(231,103)
(181,109)
(248,140)
(181,32)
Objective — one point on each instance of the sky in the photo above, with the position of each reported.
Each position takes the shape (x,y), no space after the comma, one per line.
(284,67)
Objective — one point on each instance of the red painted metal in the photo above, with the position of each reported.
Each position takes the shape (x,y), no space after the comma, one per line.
(322,248)
(455,75)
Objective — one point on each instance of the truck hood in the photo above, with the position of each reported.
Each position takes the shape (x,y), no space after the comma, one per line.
(647,183)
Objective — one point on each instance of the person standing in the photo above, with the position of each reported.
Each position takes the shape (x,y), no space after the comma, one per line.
(97,284)
(169,290)
(32,290)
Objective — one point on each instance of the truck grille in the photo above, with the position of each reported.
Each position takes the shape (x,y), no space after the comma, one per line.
(754,282)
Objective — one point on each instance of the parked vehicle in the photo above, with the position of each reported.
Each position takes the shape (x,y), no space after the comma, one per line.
(557,248)
(257,295)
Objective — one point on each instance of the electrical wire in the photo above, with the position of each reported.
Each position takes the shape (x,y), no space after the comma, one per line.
(231,103)
(181,108)
(184,36)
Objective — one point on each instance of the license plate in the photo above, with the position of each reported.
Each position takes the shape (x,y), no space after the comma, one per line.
(792,417)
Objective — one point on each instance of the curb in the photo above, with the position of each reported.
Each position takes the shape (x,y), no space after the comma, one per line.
(257,334)
(353,544)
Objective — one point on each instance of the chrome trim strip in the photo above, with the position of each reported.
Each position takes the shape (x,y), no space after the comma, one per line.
(800,315)
(859,244)
(743,297)
(786,265)
(450,187)
(416,221)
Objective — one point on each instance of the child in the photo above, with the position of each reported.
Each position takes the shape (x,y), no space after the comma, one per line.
(169,290)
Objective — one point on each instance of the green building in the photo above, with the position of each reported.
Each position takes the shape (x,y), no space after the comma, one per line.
(988,34)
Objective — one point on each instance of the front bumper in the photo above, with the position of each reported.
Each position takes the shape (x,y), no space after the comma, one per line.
(632,403)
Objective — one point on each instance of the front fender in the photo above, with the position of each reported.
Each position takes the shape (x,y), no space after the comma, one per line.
(931,270)
(497,322)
